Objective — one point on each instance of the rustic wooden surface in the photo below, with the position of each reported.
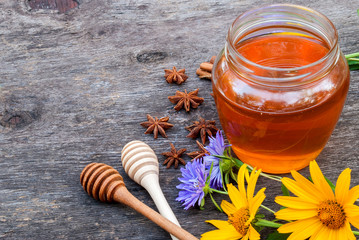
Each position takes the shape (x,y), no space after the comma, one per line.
(74,87)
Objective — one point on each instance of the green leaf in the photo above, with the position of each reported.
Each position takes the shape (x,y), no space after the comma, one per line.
(332,186)
(285,190)
(226,178)
(353,67)
(265,223)
(358,11)
(209,175)
(201,206)
(237,162)
(352,55)
(353,61)
(215,203)
(234,176)
(278,236)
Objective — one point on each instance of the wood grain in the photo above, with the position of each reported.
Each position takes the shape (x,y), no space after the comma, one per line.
(61,5)
(75,86)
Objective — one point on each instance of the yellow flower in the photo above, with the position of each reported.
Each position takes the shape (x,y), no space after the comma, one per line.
(241,211)
(320,213)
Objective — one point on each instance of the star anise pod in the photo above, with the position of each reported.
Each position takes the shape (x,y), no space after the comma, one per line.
(198,154)
(174,156)
(186,100)
(203,127)
(156,125)
(175,76)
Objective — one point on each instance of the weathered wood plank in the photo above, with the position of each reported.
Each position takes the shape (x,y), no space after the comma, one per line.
(61,5)
(75,86)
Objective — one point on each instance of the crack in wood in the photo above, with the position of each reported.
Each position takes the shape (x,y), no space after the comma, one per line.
(151,56)
(61,5)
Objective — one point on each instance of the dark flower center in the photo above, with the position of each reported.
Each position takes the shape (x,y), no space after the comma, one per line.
(331,214)
(239,220)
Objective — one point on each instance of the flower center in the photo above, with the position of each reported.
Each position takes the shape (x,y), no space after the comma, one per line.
(331,214)
(239,219)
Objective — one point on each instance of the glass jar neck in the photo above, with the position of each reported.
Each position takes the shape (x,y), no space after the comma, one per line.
(282,20)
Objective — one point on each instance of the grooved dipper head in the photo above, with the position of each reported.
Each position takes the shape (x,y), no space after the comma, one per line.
(101,181)
(139,160)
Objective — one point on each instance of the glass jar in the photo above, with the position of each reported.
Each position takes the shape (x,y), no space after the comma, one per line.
(280,84)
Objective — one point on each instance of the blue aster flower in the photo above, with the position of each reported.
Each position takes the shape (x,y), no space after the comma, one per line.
(216,147)
(193,186)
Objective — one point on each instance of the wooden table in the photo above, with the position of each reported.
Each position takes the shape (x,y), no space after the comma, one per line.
(75,84)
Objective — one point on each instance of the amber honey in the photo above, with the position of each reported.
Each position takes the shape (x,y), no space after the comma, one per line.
(279,103)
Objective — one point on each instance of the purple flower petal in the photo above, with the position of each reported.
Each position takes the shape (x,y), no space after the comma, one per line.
(193,181)
(216,147)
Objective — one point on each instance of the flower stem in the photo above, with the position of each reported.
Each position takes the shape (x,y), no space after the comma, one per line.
(268,209)
(215,203)
(273,177)
(266,223)
(356,233)
(233,176)
(352,55)
(218,191)
(223,183)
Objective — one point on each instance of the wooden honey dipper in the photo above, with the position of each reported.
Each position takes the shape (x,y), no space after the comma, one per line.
(104,183)
(141,165)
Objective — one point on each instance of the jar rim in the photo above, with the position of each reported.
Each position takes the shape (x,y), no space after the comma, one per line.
(328,55)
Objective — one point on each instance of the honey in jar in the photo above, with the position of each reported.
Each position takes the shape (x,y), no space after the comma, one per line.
(280,85)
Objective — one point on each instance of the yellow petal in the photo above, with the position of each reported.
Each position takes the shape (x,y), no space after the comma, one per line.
(301,191)
(238,198)
(221,235)
(351,211)
(246,175)
(295,202)
(225,232)
(354,222)
(297,225)
(308,187)
(245,237)
(294,214)
(302,228)
(353,195)
(348,231)
(256,203)
(332,234)
(338,233)
(321,234)
(240,178)
(228,208)
(220,224)
(342,186)
(319,180)
(315,234)
(252,184)
(253,234)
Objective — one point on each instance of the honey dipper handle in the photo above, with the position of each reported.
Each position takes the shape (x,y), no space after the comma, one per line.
(122,195)
(151,184)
